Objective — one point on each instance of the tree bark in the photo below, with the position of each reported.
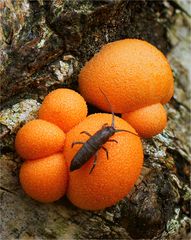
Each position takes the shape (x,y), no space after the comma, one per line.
(44,44)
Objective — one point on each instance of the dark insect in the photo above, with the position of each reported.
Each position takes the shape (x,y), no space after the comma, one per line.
(94,143)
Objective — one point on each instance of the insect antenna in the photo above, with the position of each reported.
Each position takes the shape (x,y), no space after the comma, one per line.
(113,116)
(112,112)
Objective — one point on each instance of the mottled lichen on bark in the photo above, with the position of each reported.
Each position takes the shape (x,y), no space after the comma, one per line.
(20,113)
(11,119)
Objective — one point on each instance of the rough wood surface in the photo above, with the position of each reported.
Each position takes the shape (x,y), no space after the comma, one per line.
(43,46)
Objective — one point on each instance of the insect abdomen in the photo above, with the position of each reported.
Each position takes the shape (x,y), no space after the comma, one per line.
(82,156)
(90,147)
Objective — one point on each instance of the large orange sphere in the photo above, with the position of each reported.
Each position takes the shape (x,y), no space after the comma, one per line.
(63,107)
(132,73)
(39,138)
(112,178)
(45,179)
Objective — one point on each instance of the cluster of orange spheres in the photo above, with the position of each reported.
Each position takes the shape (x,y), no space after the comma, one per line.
(136,79)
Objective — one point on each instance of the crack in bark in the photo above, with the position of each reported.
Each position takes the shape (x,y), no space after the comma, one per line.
(7,190)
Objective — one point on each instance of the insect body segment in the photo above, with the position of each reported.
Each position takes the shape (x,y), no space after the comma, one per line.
(95,142)
(91,147)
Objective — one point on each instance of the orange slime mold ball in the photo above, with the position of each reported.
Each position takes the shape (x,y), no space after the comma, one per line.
(148,121)
(39,138)
(63,107)
(112,178)
(45,179)
(133,74)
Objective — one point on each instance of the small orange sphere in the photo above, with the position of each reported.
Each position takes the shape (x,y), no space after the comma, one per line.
(147,121)
(131,72)
(63,107)
(39,138)
(45,179)
(112,178)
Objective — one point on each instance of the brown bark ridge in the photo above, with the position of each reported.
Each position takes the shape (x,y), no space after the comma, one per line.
(43,46)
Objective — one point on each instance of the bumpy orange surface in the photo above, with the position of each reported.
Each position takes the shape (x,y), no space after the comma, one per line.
(111,178)
(63,107)
(39,138)
(45,179)
(131,72)
(147,121)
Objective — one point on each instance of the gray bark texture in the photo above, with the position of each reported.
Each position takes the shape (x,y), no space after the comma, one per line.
(43,46)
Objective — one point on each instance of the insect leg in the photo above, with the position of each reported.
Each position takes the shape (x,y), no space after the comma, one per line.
(123,130)
(112,140)
(76,143)
(87,133)
(107,154)
(94,163)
